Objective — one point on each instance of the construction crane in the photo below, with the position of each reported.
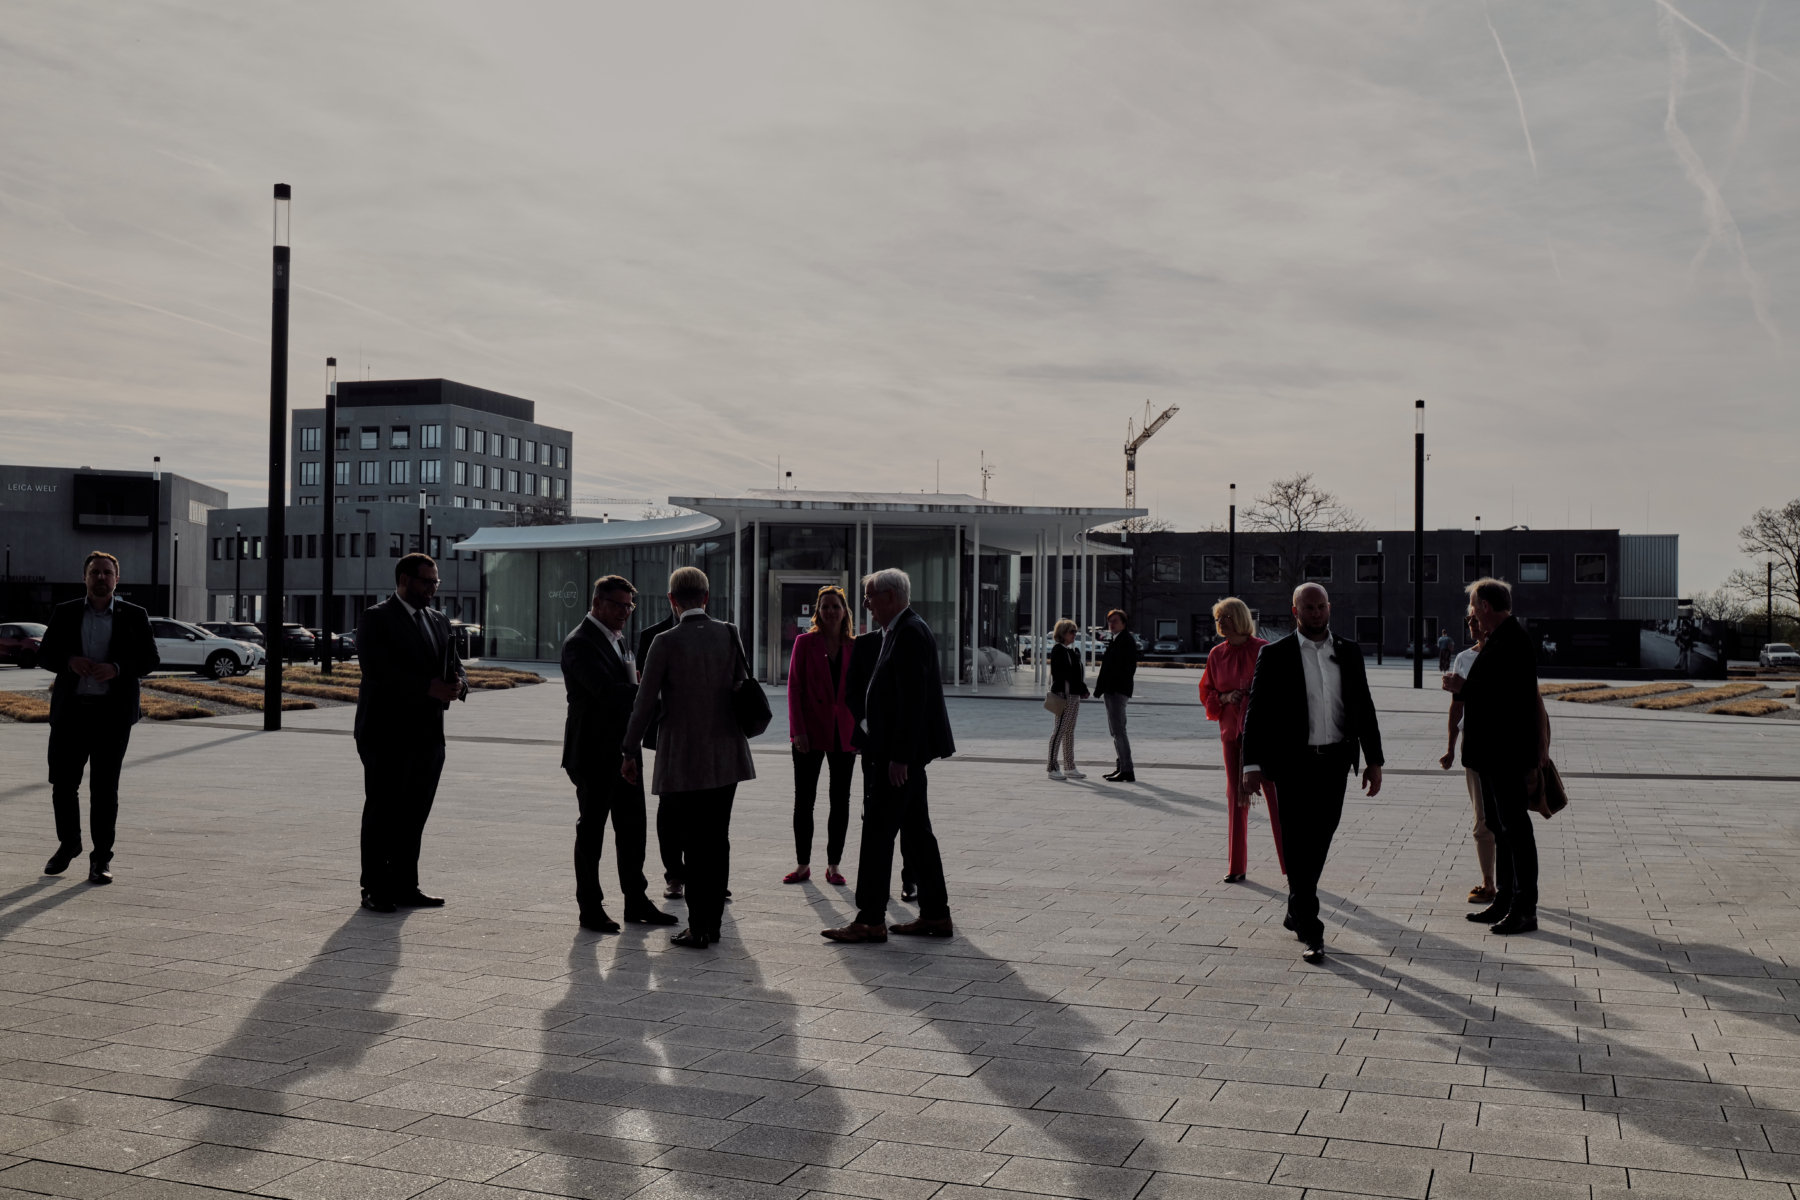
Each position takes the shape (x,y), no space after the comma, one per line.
(1135,440)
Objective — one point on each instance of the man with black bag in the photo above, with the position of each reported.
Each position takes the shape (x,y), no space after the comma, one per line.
(668,831)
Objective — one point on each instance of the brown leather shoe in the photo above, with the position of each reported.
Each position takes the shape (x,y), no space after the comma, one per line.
(855,932)
(924,928)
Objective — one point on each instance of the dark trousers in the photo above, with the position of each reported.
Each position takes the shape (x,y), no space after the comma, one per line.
(900,810)
(868,792)
(399,784)
(93,740)
(1503,798)
(806,793)
(1312,804)
(599,796)
(704,818)
(668,841)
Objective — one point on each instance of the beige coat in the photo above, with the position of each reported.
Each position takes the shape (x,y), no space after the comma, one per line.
(691,670)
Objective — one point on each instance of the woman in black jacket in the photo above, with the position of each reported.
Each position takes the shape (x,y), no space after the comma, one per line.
(1118,666)
(1066,681)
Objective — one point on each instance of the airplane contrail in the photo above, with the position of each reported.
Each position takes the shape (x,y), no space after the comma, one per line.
(1733,55)
(135,304)
(1523,123)
(1739,130)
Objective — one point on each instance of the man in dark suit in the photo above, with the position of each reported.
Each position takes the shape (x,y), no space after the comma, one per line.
(99,647)
(1503,741)
(601,677)
(865,652)
(1310,718)
(410,674)
(905,726)
(668,825)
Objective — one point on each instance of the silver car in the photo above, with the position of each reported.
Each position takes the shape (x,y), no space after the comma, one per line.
(1778,654)
(182,645)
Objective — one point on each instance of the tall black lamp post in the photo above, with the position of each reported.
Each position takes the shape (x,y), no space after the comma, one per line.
(237,594)
(328,522)
(1418,631)
(1231,548)
(1770,564)
(275,607)
(421,520)
(174,574)
(1380,616)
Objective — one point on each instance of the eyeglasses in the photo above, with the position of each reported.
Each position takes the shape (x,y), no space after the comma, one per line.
(625,604)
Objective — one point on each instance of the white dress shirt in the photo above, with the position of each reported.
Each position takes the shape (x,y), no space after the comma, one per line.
(1324,690)
(619,647)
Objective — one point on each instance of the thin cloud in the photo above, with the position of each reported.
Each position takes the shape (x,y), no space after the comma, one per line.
(1525,125)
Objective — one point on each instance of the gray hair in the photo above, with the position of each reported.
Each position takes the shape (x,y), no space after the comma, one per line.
(890,579)
(1495,591)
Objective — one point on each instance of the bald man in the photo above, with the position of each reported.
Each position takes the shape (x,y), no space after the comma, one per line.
(1309,722)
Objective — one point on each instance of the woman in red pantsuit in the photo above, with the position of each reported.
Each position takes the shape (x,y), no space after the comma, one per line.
(1225,690)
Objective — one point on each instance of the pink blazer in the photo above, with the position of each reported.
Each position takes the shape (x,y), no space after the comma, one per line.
(814,706)
(1229,669)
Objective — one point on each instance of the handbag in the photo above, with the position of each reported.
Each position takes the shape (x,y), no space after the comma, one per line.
(1055,702)
(1544,791)
(749,705)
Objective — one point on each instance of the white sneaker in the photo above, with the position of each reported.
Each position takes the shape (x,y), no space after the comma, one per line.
(1057,775)
(1072,773)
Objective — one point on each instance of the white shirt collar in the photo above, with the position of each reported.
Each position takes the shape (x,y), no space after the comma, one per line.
(615,638)
(410,610)
(692,612)
(111,601)
(888,628)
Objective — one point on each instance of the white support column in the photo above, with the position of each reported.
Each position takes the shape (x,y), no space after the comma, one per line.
(956,610)
(755,600)
(737,575)
(975,610)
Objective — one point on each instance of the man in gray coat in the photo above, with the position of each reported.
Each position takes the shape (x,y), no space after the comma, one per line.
(701,754)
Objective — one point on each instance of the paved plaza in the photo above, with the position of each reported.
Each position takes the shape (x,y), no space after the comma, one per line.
(1110,1022)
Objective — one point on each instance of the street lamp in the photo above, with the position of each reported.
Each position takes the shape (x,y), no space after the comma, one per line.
(1769,564)
(1231,548)
(237,595)
(421,520)
(1380,616)
(175,574)
(328,522)
(1418,631)
(275,606)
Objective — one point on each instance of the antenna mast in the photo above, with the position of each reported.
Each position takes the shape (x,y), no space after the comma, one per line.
(987,473)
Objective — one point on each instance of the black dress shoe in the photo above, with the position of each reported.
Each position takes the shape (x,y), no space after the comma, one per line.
(1232,879)
(1490,914)
(1313,954)
(100,876)
(599,922)
(59,862)
(909,892)
(690,939)
(1112,776)
(1515,923)
(380,904)
(418,899)
(1125,777)
(649,916)
(1287,923)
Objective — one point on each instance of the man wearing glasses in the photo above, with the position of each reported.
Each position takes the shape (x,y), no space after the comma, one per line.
(600,674)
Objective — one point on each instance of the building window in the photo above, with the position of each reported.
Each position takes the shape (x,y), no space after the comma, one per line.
(337,544)
(218,549)
(530,479)
(399,471)
(544,454)
(460,473)
(303,501)
(309,473)
(1368,630)
(1166,568)
(435,548)
(1265,568)
(477,475)
(1318,566)
(369,499)
(460,437)
(1412,571)
(256,547)
(371,437)
(478,441)
(531,452)
(1215,568)
(512,447)
(459,502)
(512,480)
(1368,570)
(309,441)
(1534,568)
(343,438)
(312,545)
(544,486)
(340,471)
(1590,568)
(497,446)
(478,502)
(562,458)
(431,470)
(1473,570)
(397,544)
(431,437)
(431,498)
(400,437)
(560,489)
(369,471)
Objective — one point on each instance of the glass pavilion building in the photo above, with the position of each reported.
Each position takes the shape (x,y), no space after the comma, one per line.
(767,553)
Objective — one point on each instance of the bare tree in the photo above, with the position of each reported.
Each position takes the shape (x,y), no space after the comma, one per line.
(541,511)
(1297,510)
(1137,525)
(657,512)
(1721,605)
(1773,531)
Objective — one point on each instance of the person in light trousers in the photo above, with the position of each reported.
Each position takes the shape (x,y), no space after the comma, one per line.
(1484,837)
(1066,681)
(1118,666)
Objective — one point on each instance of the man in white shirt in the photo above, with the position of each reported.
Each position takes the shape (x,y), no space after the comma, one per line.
(1310,719)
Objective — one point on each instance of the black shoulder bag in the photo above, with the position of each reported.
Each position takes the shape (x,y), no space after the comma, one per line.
(749,706)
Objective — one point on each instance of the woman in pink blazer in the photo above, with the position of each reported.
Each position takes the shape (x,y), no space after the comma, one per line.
(1225,690)
(820,726)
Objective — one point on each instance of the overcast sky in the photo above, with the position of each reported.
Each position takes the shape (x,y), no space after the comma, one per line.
(870,237)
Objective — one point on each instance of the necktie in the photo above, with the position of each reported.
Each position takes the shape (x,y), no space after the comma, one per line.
(425,629)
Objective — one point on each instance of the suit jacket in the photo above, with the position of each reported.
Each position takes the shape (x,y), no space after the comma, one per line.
(601,692)
(133,651)
(398,665)
(690,673)
(904,708)
(1277,725)
(643,656)
(1500,703)
(1118,667)
(865,652)
(1066,674)
(818,704)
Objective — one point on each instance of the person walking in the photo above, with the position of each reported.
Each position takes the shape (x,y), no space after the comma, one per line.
(820,730)
(1504,739)
(1067,682)
(1484,837)
(1225,691)
(1310,720)
(98,647)
(905,726)
(1118,667)
(600,674)
(1446,650)
(668,830)
(701,753)
(410,674)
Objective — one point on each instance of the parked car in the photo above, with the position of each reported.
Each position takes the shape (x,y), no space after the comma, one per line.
(343,645)
(1778,654)
(19,643)
(1166,645)
(179,644)
(468,638)
(237,631)
(297,643)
